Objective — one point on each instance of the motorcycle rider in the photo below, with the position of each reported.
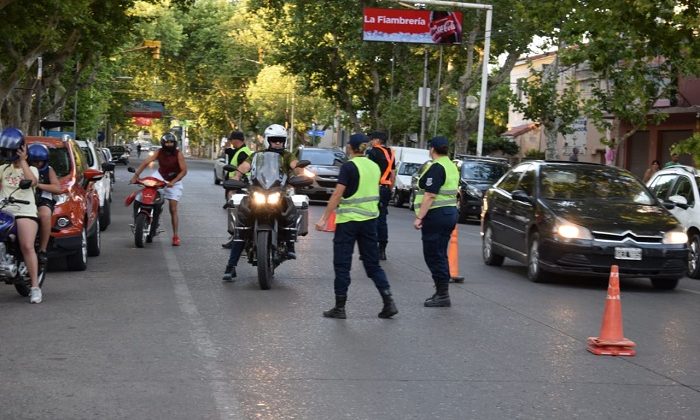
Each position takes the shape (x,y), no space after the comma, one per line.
(47,186)
(171,169)
(275,138)
(14,150)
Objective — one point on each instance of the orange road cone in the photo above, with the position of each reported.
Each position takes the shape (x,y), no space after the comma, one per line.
(453,257)
(330,223)
(612,341)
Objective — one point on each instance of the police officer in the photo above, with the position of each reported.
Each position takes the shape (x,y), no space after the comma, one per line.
(384,157)
(236,155)
(436,215)
(356,198)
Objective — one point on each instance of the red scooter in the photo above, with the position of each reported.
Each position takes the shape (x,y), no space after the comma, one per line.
(148,205)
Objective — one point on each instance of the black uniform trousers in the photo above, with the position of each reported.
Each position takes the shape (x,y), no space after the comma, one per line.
(365,234)
(382,229)
(438,225)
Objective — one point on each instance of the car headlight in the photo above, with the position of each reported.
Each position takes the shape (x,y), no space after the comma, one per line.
(62,222)
(472,190)
(259,198)
(675,237)
(60,198)
(568,230)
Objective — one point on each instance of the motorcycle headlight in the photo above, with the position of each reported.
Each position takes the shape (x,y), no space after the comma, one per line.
(274,198)
(259,198)
(568,230)
(675,237)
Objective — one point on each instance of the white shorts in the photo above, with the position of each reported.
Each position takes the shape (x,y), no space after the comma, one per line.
(170,193)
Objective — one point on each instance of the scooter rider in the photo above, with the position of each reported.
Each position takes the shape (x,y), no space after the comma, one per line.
(48,185)
(275,138)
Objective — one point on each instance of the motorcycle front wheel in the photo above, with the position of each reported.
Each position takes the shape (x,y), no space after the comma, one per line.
(266,268)
(140,231)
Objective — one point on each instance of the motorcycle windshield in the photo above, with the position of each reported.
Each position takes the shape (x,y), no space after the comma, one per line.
(266,169)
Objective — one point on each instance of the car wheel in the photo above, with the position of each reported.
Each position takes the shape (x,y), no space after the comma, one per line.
(665,283)
(93,242)
(105,216)
(487,251)
(694,256)
(396,198)
(78,261)
(534,267)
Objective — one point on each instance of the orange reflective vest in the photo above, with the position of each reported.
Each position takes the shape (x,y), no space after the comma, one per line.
(385,179)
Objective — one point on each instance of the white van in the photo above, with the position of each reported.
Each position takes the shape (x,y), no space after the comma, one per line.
(408,160)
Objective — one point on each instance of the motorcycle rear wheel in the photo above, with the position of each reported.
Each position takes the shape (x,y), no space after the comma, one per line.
(139,230)
(266,268)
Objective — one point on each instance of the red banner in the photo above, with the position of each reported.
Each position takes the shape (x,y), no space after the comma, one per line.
(412,26)
(143,121)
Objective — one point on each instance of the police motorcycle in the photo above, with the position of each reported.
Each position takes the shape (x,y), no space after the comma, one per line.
(12,267)
(267,213)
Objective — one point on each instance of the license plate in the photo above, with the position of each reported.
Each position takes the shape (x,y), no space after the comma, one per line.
(628,254)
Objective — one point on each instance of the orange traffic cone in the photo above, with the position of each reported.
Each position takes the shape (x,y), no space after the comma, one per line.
(453,257)
(612,341)
(330,223)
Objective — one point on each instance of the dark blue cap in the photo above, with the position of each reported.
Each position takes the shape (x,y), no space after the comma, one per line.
(377,135)
(357,139)
(438,141)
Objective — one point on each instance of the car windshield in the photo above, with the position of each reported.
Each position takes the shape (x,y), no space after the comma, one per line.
(409,168)
(592,183)
(483,171)
(323,157)
(59,161)
(86,152)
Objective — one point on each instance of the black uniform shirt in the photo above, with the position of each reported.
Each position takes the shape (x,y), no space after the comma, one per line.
(377,156)
(350,177)
(433,179)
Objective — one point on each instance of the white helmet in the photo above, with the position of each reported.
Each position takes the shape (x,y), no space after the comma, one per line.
(275,131)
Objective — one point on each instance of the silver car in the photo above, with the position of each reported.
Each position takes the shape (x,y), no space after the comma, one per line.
(325,164)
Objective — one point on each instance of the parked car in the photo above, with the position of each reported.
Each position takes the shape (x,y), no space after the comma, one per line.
(677,188)
(477,174)
(408,160)
(108,158)
(120,154)
(153,149)
(219,173)
(579,218)
(325,165)
(95,160)
(75,231)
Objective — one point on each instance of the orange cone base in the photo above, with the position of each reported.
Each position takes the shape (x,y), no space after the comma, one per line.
(622,347)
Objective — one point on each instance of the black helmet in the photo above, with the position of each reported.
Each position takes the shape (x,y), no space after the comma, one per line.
(11,139)
(168,137)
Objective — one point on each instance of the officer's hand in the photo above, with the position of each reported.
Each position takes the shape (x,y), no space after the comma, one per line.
(320,224)
(418,223)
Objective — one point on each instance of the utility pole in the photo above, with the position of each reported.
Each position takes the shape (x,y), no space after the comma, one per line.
(424,100)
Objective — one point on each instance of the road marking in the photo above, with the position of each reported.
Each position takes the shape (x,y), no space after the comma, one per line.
(690,291)
(226,404)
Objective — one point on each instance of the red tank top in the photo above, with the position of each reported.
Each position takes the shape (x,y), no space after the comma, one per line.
(168,165)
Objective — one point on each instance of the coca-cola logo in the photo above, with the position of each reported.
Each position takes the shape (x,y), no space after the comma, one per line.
(443,26)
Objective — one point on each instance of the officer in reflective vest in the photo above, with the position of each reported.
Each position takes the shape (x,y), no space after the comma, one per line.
(236,155)
(356,198)
(436,216)
(384,157)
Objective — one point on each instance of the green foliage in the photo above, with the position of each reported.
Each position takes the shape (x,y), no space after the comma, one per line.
(534,154)
(691,145)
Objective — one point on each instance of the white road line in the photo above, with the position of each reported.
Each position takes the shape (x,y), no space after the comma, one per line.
(226,404)
(690,291)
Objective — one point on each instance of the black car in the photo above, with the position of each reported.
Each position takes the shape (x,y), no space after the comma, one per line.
(579,218)
(477,174)
(325,165)
(120,154)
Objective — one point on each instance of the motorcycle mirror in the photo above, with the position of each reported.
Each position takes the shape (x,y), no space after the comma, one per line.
(234,184)
(131,169)
(25,184)
(303,163)
(300,181)
(229,168)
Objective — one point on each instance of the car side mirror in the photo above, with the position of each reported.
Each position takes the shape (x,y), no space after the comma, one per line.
(679,201)
(233,184)
(108,167)
(25,184)
(303,163)
(300,181)
(522,196)
(93,174)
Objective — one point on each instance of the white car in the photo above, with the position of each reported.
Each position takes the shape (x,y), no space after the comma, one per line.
(219,169)
(677,188)
(95,160)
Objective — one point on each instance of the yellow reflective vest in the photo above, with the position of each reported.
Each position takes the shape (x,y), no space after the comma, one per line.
(447,196)
(364,203)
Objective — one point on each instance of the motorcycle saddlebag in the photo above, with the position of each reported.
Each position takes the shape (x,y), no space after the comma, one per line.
(301,202)
(232,217)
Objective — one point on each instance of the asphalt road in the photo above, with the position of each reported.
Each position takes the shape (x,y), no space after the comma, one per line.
(153,333)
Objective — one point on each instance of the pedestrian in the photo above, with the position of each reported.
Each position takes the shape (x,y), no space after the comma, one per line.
(239,152)
(384,157)
(356,198)
(14,150)
(138,150)
(436,216)
(674,160)
(651,170)
(574,155)
(171,169)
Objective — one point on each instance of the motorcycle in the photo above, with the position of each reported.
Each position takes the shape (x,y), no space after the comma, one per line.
(266,214)
(148,205)
(13,270)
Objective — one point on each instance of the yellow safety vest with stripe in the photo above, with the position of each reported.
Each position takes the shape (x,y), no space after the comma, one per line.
(447,196)
(364,204)
(234,158)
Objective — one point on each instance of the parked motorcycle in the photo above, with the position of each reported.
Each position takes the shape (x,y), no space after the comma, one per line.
(148,205)
(266,214)
(12,267)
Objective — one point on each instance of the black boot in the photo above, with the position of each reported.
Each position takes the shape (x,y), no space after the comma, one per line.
(228,244)
(291,254)
(389,308)
(229,273)
(338,311)
(382,251)
(441,298)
